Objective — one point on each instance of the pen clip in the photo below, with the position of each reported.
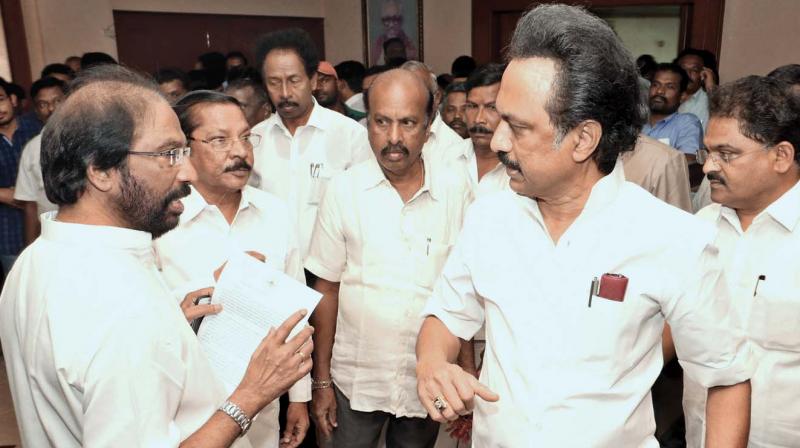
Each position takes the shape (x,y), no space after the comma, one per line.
(760,278)
(593,287)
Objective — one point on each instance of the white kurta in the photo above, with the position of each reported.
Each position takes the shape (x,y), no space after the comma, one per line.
(30,186)
(570,375)
(297,168)
(97,352)
(386,255)
(204,240)
(463,158)
(768,248)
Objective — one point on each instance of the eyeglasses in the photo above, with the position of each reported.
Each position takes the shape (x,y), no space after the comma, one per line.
(224,144)
(175,155)
(721,157)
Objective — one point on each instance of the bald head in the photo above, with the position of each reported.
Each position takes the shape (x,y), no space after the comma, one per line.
(400,83)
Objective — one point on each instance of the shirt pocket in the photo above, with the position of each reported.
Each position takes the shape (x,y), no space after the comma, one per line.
(320,175)
(775,322)
(429,262)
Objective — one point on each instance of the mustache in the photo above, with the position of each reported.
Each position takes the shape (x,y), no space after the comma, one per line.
(394,148)
(239,164)
(287,103)
(178,193)
(716,177)
(505,160)
(457,122)
(662,98)
(478,129)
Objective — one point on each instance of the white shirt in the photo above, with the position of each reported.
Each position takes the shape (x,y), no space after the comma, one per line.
(30,186)
(442,141)
(356,102)
(570,375)
(769,247)
(702,197)
(203,241)
(697,104)
(465,160)
(386,255)
(97,352)
(297,168)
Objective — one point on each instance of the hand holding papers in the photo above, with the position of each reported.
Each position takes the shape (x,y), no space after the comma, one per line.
(255,298)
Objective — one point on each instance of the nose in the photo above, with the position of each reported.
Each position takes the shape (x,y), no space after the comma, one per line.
(501,141)
(481,117)
(240,148)
(395,136)
(186,171)
(710,165)
(285,89)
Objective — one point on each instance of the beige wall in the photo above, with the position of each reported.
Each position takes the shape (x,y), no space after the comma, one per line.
(56,29)
(758,36)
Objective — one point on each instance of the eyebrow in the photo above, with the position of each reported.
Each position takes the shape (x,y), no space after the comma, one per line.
(171,144)
(724,146)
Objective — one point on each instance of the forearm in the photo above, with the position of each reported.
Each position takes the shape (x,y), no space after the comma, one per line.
(667,344)
(466,356)
(32,227)
(728,416)
(436,343)
(324,322)
(219,431)
(7,197)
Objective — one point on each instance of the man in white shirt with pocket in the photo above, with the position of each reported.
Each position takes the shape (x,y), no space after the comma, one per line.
(384,230)
(304,144)
(753,163)
(576,271)
(97,351)
(223,215)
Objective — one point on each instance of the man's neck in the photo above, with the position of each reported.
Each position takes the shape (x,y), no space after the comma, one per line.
(338,106)
(226,200)
(91,210)
(293,123)
(655,118)
(9,128)
(748,214)
(409,182)
(562,209)
(486,159)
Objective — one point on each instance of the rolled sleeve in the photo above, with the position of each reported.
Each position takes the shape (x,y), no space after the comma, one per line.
(709,335)
(455,301)
(327,253)
(301,391)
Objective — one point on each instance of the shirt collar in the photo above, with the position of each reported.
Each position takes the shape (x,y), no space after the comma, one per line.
(195,203)
(666,119)
(786,210)
(318,119)
(374,176)
(95,235)
(603,193)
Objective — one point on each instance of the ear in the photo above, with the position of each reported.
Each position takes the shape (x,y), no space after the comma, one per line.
(102,180)
(684,97)
(784,157)
(587,136)
(14,100)
(314,79)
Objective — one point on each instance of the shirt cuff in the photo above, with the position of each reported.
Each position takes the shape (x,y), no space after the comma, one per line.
(739,370)
(315,267)
(301,391)
(461,328)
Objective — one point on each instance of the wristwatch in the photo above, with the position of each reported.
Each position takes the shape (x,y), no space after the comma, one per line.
(236,413)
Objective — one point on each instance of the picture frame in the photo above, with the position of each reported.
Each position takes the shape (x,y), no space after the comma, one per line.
(385,19)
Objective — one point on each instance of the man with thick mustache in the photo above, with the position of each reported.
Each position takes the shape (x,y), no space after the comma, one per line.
(753,164)
(97,351)
(682,131)
(223,214)
(474,155)
(303,144)
(454,108)
(385,228)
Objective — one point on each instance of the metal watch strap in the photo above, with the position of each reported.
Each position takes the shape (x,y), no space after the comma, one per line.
(235,412)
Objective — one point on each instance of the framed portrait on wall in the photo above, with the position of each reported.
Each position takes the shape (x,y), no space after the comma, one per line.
(392,28)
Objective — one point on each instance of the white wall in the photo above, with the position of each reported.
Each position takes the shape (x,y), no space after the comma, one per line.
(56,29)
(758,36)
(657,36)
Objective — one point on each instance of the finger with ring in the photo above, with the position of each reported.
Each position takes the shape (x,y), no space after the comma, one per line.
(439,404)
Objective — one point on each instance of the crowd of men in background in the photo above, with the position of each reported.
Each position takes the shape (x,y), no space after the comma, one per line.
(451,223)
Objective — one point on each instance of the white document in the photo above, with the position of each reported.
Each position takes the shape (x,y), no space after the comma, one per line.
(254,297)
